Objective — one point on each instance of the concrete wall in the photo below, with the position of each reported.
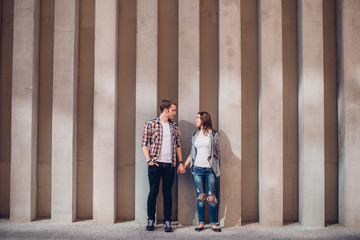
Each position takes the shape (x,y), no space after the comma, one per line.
(249,111)
(189,100)
(317,118)
(230,84)
(330,109)
(146,93)
(45,108)
(167,73)
(290,94)
(217,56)
(6,50)
(209,58)
(64,111)
(348,111)
(85,109)
(126,110)
(24,111)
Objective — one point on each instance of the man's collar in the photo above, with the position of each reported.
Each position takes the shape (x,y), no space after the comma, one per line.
(158,120)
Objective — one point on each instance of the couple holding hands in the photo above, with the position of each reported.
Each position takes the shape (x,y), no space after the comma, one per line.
(161,147)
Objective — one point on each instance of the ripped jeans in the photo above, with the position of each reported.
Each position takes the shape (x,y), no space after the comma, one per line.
(206,177)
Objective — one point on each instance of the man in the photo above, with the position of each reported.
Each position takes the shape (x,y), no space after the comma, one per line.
(161,145)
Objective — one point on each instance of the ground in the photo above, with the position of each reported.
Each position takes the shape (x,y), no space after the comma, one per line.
(46,229)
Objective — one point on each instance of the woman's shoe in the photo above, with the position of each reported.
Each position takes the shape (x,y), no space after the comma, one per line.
(216,229)
(200,227)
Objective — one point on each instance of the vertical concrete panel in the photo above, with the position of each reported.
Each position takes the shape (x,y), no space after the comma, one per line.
(24,117)
(189,91)
(349,112)
(209,63)
(6,60)
(146,94)
(230,102)
(209,59)
(168,74)
(85,109)
(168,50)
(63,177)
(271,114)
(290,83)
(311,113)
(249,112)
(330,112)
(104,145)
(45,108)
(126,110)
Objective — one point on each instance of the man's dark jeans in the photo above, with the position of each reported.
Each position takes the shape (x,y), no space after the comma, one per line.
(165,171)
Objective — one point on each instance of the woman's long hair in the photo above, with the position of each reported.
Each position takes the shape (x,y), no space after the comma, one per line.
(206,121)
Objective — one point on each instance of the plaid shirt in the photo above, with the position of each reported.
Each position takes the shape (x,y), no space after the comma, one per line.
(153,134)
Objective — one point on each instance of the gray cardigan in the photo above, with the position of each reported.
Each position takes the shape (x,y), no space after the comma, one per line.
(214,158)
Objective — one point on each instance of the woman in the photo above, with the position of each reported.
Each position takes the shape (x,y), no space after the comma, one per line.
(205,168)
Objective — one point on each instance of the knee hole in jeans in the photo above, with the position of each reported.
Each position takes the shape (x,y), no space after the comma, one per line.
(202,197)
(212,200)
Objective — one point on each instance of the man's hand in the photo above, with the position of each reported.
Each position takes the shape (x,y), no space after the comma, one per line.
(150,163)
(147,156)
(181,169)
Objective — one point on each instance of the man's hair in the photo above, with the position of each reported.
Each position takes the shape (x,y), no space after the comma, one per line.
(166,103)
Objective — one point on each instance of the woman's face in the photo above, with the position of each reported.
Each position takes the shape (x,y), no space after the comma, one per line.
(198,121)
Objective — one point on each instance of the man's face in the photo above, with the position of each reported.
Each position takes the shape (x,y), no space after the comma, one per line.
(171,112)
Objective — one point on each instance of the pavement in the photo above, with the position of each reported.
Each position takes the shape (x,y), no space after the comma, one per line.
(46,229)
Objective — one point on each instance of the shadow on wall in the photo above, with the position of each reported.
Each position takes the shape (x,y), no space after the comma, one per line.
(186,189)
(229,193)
(187,129)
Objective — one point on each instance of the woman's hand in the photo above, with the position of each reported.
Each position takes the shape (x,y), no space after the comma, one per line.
(181,169)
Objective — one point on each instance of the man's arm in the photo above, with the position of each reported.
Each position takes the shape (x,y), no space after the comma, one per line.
(179,154)
(145,142)
(178,150)
(147,156)
(182,166)
(146,153)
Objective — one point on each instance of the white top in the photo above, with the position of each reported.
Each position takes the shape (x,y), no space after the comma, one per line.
(202,145)
(166,151)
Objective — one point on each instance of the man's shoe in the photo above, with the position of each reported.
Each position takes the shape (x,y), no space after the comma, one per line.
(167,226)
(150,226)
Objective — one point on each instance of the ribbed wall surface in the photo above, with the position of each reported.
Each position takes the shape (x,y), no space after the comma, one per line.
(280,78)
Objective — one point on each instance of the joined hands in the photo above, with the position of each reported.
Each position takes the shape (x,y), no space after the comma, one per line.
(181,169)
